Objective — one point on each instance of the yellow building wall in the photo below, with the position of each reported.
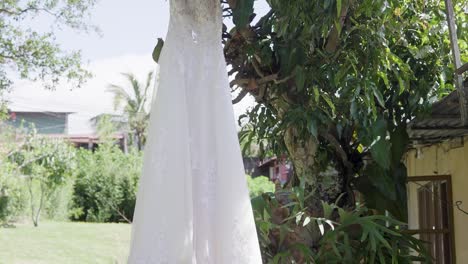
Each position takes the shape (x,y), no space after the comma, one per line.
(447,158)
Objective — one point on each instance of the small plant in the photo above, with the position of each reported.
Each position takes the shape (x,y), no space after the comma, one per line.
(12,195)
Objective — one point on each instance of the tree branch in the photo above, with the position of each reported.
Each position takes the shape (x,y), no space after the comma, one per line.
(6,11)
(241,96)
(257,68)
(334,36)
(28,9)
(269,78)
(339,150)
(239,82)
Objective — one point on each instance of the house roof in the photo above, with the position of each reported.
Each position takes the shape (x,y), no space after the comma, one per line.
(112,117)
(267,162)
(39,112)
(443,122)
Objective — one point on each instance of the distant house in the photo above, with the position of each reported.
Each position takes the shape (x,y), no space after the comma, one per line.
(279,169)
(55,125)
(44,122)
(274,168)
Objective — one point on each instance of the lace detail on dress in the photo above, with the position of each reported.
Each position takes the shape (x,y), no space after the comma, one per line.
(199,20)
(199,11)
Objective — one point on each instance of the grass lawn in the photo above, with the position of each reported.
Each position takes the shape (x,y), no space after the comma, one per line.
(64,243)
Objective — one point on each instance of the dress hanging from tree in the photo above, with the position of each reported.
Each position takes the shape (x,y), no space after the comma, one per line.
(193,205)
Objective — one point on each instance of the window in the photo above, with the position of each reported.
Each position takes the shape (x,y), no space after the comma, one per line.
(431,215)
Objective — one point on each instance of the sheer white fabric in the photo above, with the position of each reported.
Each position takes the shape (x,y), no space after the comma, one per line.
(192,204)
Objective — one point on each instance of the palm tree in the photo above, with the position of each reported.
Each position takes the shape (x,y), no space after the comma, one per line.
(135,104)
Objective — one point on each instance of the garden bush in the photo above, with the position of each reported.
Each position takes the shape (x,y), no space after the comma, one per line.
(105,185)
(12,194)
(59,202)
(259,185)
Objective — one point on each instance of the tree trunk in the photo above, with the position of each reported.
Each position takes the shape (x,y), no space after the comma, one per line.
(302,153)
(41,203)
(31,199)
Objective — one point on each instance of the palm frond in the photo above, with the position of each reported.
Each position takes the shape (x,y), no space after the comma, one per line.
(149,80)
(120,95)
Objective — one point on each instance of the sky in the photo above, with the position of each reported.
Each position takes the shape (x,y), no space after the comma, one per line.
(129,31)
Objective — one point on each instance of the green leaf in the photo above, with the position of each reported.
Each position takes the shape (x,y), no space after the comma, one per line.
(383,182)
(329,102)
(241,13)
(384,77)
(313,127)
(327,210)
(365,233)
(258,205)
(381,152)
(354,110)
(338,8)
(382,240)
(300,78)
(379,96)
(157,50)
(280,256)
(316,94)
(381,148)
(344,216)
(338,26)
(399,140)
(401,84)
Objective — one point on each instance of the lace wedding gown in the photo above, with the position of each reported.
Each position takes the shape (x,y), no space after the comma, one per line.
(193,205)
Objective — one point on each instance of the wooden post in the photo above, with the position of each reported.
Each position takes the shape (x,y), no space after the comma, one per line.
(457,60)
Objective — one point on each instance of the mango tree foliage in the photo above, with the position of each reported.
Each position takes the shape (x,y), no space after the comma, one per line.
(337,81)
(33,53)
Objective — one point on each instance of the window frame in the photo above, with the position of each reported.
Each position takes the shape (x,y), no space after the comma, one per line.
(451,229)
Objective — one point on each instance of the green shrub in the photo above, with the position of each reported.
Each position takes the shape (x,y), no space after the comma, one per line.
(259,185)
(12,194)
(59,202)
(105,185)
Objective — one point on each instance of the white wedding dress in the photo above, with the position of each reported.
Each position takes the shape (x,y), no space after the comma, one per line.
(193,205)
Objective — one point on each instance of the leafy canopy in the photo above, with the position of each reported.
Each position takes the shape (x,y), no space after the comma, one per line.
(348,75)
(30,53)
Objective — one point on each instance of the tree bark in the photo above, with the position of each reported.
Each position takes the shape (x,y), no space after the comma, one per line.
(302,153)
